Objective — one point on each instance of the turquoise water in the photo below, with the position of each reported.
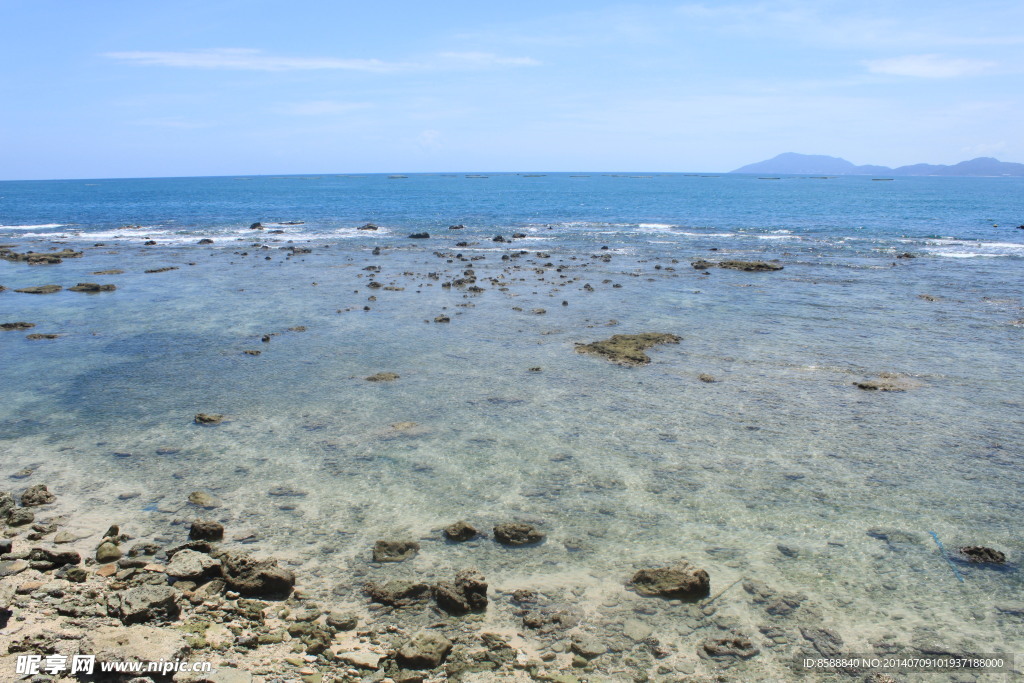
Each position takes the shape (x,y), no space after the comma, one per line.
(622,467)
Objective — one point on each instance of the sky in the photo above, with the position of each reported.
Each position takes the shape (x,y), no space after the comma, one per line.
(107,88)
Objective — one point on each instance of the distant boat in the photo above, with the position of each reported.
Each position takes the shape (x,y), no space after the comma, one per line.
(883,178)
(769,178)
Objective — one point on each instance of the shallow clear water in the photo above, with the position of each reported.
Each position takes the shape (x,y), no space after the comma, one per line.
(622,467)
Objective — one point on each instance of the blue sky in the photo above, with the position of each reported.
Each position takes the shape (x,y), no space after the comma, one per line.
(107,88)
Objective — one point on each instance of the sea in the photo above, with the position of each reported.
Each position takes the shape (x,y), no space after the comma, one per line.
(746,449)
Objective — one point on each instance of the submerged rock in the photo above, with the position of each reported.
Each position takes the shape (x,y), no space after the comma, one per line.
(419,235)
(749,265)
(42,335)
(368,226)
(681,580)
(394,551)
(41,289)
(460,531)
(208,418)
(886,382)
(426,650)
(515,533)
(16,326)
(982,555)
(36,258)
(397,593)
(204,500)
(91,287)
(733,646)
(628,349)
(37,495)
(382,377)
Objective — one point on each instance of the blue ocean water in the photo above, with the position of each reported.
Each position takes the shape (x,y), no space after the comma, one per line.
(622,467)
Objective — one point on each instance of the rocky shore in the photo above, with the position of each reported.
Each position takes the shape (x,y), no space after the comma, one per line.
(201,598)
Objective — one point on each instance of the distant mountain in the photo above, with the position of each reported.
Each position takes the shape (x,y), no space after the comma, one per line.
(819,164)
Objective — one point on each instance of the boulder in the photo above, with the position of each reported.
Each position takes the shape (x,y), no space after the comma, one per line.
(16,326)
(420,235)
(468,593)
(426,650)
(148,603)
(253,577)
(45,559)
(460,531)
(37,495)
(6,503)
(191,565)
(515,533)
(368,226)
(206,531)
(20,517)
(982,555)
(108,552)
(627,349)
(681,580)
(394,551)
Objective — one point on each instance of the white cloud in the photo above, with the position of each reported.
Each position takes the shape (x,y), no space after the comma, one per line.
(321,107)
(430,140)
(484,59)
(928,66)
(984,149)
(256,60)
(251,60)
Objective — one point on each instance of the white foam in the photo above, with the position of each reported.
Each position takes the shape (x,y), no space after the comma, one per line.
(33,227)
(656,225)
(964,254)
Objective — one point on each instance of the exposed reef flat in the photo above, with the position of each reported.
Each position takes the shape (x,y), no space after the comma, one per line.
(628,349)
